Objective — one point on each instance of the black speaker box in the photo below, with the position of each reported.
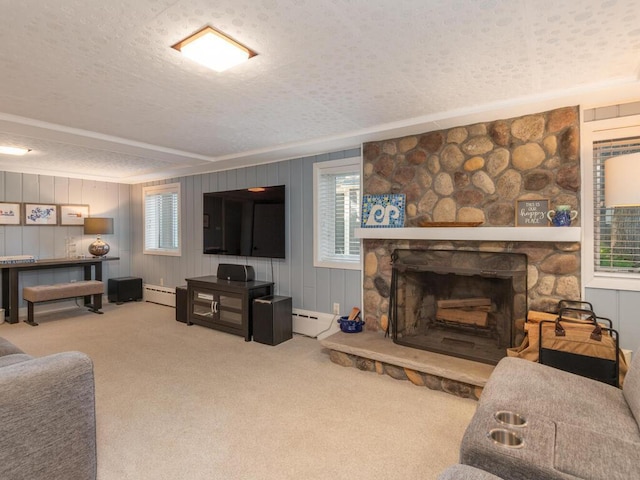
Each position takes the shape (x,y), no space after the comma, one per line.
(272,323)
(236,273)
(124,289)
(182,309)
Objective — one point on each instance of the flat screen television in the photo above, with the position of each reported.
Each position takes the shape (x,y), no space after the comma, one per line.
(248,222)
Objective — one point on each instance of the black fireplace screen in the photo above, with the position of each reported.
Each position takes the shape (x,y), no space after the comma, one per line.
(469,304)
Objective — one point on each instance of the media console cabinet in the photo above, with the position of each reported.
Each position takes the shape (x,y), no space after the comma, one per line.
(224,305)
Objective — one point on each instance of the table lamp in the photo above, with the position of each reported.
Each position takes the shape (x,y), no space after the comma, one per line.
(621,175)
(98,226)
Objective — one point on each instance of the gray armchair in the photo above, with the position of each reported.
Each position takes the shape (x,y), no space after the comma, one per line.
(47,416)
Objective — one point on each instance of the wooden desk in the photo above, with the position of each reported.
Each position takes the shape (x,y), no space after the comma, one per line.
(10,278)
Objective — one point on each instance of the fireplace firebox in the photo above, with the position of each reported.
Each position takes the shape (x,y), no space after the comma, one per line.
(469,304)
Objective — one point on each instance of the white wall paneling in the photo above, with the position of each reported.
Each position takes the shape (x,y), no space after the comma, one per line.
(311,288)
(103,198)
(622,307)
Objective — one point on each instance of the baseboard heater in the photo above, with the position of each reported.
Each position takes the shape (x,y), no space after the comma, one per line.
(159,294)
(305,322)
(314,324)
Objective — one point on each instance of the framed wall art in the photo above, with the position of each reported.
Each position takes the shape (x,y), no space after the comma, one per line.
(73,214)
(386,211)
(40,214)
(9,214)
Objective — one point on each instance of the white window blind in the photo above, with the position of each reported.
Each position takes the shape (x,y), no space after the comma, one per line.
(162,219)
(616,230)
(337,210)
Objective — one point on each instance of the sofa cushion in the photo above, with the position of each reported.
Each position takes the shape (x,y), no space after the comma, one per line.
(596,455)
(47,419)
(14,358)
(8,348)
(631,387)
(465,472)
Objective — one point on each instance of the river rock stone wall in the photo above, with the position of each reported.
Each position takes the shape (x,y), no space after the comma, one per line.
(476,173)
(421,379)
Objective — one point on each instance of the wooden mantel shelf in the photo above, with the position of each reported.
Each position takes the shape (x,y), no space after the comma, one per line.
(486,234)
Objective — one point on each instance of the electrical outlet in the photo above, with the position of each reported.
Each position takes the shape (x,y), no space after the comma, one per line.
(162,282)
(336,309)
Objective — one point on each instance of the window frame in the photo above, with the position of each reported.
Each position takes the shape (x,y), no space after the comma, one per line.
(343,165)
(173,188)
(594,131)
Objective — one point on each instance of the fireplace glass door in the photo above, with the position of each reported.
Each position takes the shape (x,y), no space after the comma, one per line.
(461,303)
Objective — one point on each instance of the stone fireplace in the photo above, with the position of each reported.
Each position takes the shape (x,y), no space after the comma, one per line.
(462,303)
(451,178)
(476,173)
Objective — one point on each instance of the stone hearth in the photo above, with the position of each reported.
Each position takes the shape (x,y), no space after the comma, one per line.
(371,351)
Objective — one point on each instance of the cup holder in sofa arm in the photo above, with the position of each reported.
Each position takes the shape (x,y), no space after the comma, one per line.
(505,438)
(511,419)
(533,458)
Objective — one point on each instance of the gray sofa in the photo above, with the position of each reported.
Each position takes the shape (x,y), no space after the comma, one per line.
(576,428)
(47,416)
(466,472)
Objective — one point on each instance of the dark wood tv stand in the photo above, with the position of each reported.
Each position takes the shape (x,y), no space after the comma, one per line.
(224,304)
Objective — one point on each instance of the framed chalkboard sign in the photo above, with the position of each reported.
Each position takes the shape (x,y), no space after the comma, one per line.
(532,213)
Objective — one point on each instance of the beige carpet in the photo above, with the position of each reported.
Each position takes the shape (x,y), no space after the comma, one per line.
(178,402)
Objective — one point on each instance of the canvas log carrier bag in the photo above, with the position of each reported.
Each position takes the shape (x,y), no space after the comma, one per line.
(577,345)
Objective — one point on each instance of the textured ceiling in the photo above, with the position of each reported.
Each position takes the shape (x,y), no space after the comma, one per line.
(94,89)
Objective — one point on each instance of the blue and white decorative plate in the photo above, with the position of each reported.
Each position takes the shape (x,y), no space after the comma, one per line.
(383,211)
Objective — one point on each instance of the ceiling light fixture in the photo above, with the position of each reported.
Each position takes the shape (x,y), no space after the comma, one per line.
(213,50)
(13,150)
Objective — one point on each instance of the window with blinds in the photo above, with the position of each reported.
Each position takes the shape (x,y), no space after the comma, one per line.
(616,230)
(162,219)
(337,213)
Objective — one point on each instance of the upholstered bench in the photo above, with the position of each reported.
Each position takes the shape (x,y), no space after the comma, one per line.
(61,291)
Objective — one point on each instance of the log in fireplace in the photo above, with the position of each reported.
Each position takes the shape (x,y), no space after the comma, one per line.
(469,304)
